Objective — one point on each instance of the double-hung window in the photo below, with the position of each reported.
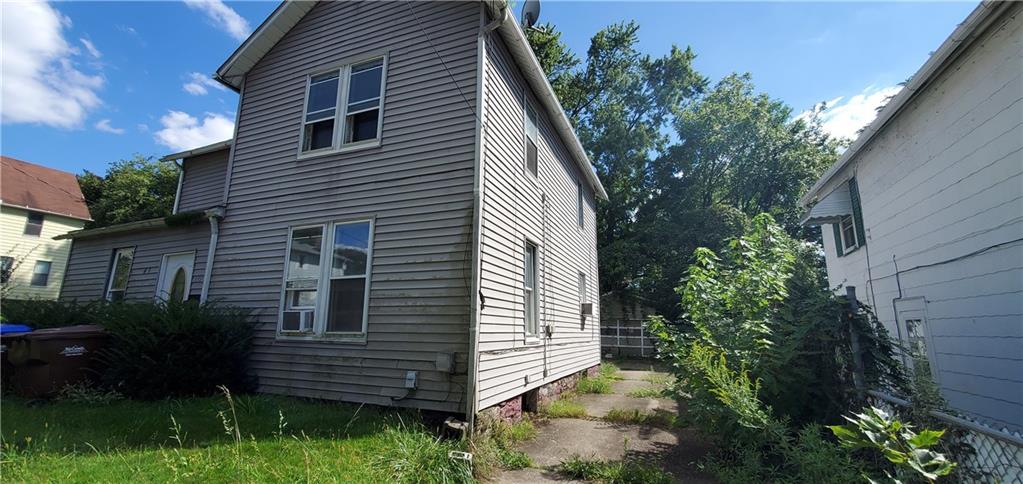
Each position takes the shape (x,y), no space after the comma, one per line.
(326,280)
(117,283)
(531,140)
(343,107)
(847,230)
(6,268)
(34,224)
(529,290)
(41,273)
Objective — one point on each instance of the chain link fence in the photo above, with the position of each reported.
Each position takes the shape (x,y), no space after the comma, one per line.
(998,453)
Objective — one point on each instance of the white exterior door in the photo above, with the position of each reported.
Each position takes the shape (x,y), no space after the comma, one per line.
(175,276)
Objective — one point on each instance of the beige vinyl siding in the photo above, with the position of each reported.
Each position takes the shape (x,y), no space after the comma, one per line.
(202,185)
(91,259)
(943,181)
(512,211)
(27,249)
(417,186)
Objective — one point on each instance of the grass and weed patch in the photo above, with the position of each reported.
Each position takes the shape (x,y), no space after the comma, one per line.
(657,418)
(613,472)
(649,392)
(564,408)
(596,384)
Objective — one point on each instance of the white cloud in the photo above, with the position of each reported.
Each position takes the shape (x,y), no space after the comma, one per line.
(198,83)
(843,117)
(104,126)
(41,83)
(182,131)
(142,127)
(223,17)
(89,46)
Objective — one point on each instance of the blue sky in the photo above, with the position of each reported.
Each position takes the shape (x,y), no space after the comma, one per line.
(87,83)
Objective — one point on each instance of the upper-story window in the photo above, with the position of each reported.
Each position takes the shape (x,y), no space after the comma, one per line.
(34,224)
(580,214)
(343,107)
(531,140)
(41,273)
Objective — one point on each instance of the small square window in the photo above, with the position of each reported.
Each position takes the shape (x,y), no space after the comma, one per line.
(34,224)
(41,273)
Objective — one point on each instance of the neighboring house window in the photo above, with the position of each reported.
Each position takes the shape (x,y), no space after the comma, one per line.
(302,279)
(529,289)
(361,87)
(34,224)
(579,205)
(916,338)
(41,273)
(849,233)
(339,269)
(6,268)
(531,142)
(117,285)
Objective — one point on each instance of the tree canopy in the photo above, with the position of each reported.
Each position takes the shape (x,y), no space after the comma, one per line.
(135,189)
(686,163)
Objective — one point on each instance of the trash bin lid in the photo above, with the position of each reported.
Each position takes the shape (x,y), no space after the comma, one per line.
(82,330)
(9,328)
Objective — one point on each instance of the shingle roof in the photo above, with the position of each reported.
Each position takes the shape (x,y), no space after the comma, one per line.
(35,187)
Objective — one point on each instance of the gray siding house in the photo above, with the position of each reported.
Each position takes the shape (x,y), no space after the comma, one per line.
(923,215)
(404,207)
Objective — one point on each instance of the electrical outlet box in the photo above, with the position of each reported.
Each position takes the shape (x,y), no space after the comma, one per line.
(445,362)
(410,380)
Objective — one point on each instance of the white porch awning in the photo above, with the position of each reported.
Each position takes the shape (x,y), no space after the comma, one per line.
(831,208)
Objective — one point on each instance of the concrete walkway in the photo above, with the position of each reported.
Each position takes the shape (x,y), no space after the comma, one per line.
(675,450)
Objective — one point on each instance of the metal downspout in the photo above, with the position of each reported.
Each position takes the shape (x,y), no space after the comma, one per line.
(214,215)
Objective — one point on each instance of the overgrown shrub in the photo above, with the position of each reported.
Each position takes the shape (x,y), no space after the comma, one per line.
(764,353)
(43,313)
(175,349)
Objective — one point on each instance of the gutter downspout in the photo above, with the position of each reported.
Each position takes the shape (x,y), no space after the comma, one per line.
(214,215)
(476,292)
(181,177)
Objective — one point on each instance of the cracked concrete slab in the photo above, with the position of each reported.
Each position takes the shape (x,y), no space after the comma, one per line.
(599,405)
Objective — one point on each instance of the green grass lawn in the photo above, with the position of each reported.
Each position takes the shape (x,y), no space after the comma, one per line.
(195,440)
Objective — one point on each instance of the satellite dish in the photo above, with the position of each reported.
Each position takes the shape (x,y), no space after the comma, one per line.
(530,13)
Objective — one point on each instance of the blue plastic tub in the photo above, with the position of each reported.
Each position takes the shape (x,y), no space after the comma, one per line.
(6,328)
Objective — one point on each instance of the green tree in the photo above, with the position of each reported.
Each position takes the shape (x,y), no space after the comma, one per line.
(135,189)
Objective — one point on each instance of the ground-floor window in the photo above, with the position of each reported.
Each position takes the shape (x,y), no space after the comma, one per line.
(529,290)
(326,280)
(120,268)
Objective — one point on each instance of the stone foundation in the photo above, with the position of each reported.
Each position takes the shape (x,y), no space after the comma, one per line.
(511,410)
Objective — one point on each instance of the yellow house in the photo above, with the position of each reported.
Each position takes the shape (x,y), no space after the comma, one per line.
(36,205)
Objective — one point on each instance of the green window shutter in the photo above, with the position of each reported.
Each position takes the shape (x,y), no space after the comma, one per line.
(854,197)
(838,238)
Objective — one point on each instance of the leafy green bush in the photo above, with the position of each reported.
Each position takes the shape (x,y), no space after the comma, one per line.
(897,442)
(175,349)
(43,313)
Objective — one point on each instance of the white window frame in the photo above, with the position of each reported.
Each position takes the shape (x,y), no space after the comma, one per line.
(528,108)
(581,211)
(322,305)
(284,283)
(344,71)
(531,295)
(329,258)
(111,273)
(35,269)
(846,247)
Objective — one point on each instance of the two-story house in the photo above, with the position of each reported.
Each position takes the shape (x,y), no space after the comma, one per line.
(923,216)
(404,207)
(36,204)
